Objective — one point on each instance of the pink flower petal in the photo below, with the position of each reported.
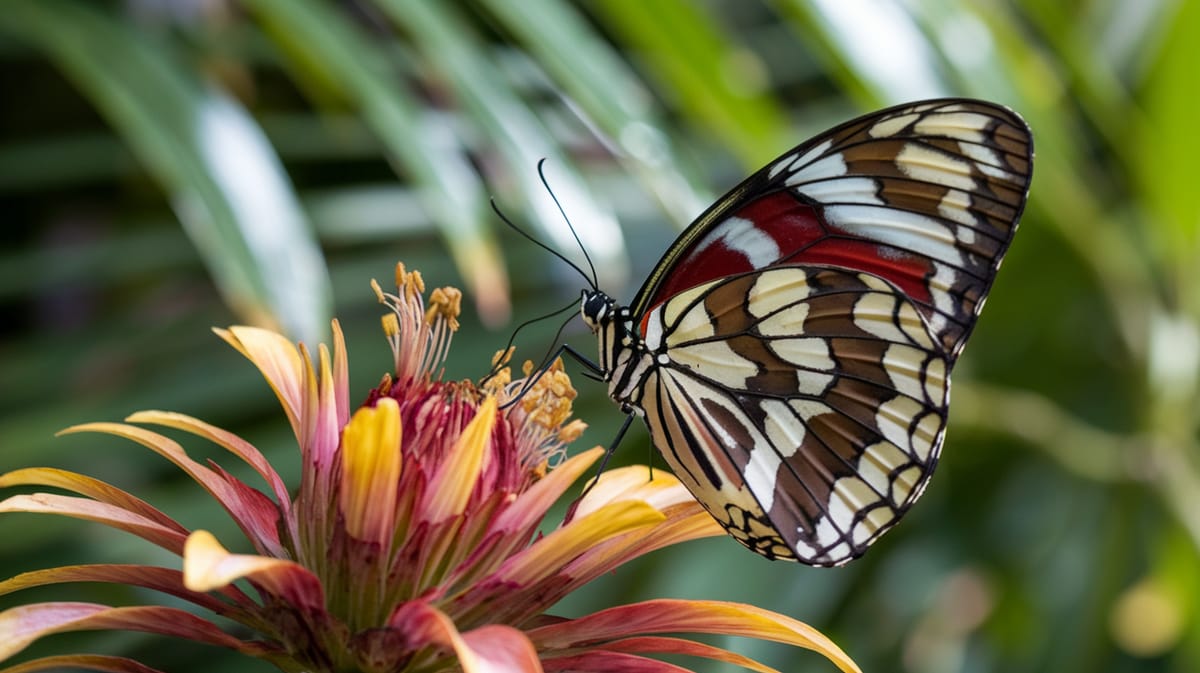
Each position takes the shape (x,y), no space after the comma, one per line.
(166,580)
(258,515)
(531,506)
(516,523)
(90,487)
(691,648)
(90,510)
(24,624)
(502,648)
(223,438)
(208,566)
(600,661)
(332,411)
(221,490)
(674,616)
(94,662)
(495,648)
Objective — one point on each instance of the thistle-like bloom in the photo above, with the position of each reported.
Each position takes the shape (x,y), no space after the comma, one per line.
(415,541)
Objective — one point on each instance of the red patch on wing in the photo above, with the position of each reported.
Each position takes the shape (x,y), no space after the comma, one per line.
(799,236)
(777,218)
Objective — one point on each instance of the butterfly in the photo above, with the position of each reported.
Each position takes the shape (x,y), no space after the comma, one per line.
(791,352)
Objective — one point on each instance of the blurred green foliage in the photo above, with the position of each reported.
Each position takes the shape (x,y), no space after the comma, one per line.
(169,165)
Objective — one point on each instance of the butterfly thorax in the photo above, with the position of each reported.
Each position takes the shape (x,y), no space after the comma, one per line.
(624,359)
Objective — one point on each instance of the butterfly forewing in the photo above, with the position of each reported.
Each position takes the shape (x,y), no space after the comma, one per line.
(925,195)
(803,406)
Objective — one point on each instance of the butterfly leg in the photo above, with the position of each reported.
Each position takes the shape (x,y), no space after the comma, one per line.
(612,448)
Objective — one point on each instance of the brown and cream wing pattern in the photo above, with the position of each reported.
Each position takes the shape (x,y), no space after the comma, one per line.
(803,406)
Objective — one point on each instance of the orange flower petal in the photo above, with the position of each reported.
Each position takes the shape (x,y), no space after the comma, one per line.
(548,555)
(680,616)
(683,646)
(684,522)
(603,661)
(208,566)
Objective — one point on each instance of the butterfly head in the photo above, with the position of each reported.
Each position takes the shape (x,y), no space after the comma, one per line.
(597,309)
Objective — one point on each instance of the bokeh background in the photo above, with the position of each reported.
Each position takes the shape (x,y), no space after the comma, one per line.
(171,165)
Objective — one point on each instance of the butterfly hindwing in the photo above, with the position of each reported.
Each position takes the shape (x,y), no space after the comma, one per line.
(804,406)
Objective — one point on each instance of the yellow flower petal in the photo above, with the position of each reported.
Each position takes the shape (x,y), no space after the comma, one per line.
(371,465)
(280,363)
(549,554)
(207,565)
(634,483)
(450,490)
(683,616)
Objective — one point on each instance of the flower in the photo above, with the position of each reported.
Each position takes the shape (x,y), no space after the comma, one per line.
(414,540)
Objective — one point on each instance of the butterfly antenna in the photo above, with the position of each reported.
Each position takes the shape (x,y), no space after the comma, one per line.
(547,360)
(543,246)
(513,338)
(595,281)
